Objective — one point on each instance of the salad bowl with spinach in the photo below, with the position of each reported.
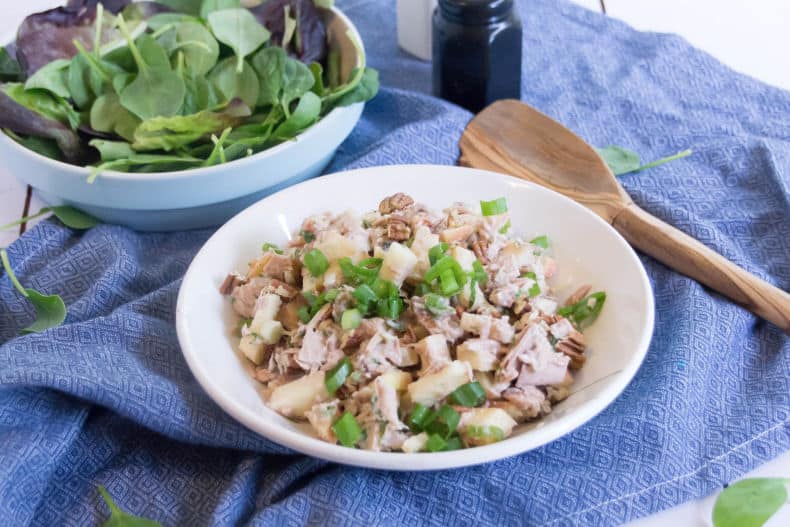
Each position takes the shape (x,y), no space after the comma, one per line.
(178,113)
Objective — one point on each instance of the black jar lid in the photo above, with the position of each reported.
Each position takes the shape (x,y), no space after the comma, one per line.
(474,12)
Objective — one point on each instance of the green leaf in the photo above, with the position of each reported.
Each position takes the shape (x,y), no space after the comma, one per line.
(112,150)
(238,29)
(153,93)
(200,49)
(85,82)
(74,218)
(162,20)
(619,159)
(230,84)
(750,502)
(154,55)
(145,162)
(622,161)
(10,70)
(200,95)
(169,133)
(326,4)
(118,518)
(289,26)
(50,309)
(269,64)
(43,103)
(109,116)
(318,78)
(217,155)
(209,6)
(365,90)
(306,113)
(297,80)
(51,77)
(41,145)
(189,7)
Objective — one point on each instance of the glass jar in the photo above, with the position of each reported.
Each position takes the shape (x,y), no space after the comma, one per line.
(476,52)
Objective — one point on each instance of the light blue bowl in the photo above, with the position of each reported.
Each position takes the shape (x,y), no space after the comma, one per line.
(188,199)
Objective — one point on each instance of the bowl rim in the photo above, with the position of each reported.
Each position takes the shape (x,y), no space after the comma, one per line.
(84,171)
(422,461)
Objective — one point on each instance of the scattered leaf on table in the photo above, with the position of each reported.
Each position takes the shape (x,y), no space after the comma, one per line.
(238,29)
(50,309)
(74,218)
(119,518)
(750,502)
(619,159)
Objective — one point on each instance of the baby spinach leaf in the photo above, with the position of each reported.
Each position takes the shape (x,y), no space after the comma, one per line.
(200,95)
(68,215)
(154,92)
(750,502)
(40,145)
(169,133)
(318,78)
(25,121)
(190,7)
(239,30)
(297,80)
(160,21)
(121,81)
(154,55)
(366,89)
(200,49)
(209,6)
(44,103)
(231,84)
(10,70)
(50,309)
(142,162)
(305,114)
(112,150)
(269,64)
(118,518)
(51,77)
(622,161)
(85,82)
(109,116)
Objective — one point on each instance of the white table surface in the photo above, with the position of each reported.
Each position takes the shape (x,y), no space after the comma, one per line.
(751,37)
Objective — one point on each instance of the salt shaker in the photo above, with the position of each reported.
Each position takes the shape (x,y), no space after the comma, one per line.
(414,26)
(476,52)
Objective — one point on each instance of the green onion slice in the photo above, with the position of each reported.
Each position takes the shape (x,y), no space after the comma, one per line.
(485,432)
(418,416)
(505,227)
(585,311)
(541,241)
(316,262)
(271,247)
(449,284)
(454,443)
(347,430)
(479,273)
(444,421)
(364,272)
(351,319)
(364,295)
(337,375)
(304,314)
(534,290)
(436,304)
(531,275)
(436,443)
(436,252)
(470,394)
(308,236)
(493,207)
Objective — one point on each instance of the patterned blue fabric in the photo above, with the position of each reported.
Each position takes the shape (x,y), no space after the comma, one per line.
(107,398)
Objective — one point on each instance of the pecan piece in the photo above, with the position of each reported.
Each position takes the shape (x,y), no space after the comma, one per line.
(521,306)
(395,202)
(398,228)
(230,283)
(580,293)
(573,346)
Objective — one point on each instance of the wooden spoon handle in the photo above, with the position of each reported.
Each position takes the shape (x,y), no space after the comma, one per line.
(690,257)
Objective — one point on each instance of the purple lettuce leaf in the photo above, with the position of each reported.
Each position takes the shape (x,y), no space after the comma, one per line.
(49,35)
(17,118)
(310,46)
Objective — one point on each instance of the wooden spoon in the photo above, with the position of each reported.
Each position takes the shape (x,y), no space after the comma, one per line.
(511,137)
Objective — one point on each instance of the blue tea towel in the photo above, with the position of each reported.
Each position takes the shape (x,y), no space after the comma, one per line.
(108,399)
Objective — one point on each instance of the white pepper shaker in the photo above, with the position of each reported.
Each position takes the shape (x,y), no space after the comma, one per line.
(414,26)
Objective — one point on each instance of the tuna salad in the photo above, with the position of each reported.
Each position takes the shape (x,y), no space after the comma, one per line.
(408,329)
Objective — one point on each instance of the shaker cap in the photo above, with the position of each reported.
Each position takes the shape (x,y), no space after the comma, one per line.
(474,12)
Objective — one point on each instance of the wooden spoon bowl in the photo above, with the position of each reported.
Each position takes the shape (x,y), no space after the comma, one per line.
(512,137)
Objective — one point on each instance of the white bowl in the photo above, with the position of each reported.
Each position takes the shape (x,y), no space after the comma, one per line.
(201,197)
(587,251)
